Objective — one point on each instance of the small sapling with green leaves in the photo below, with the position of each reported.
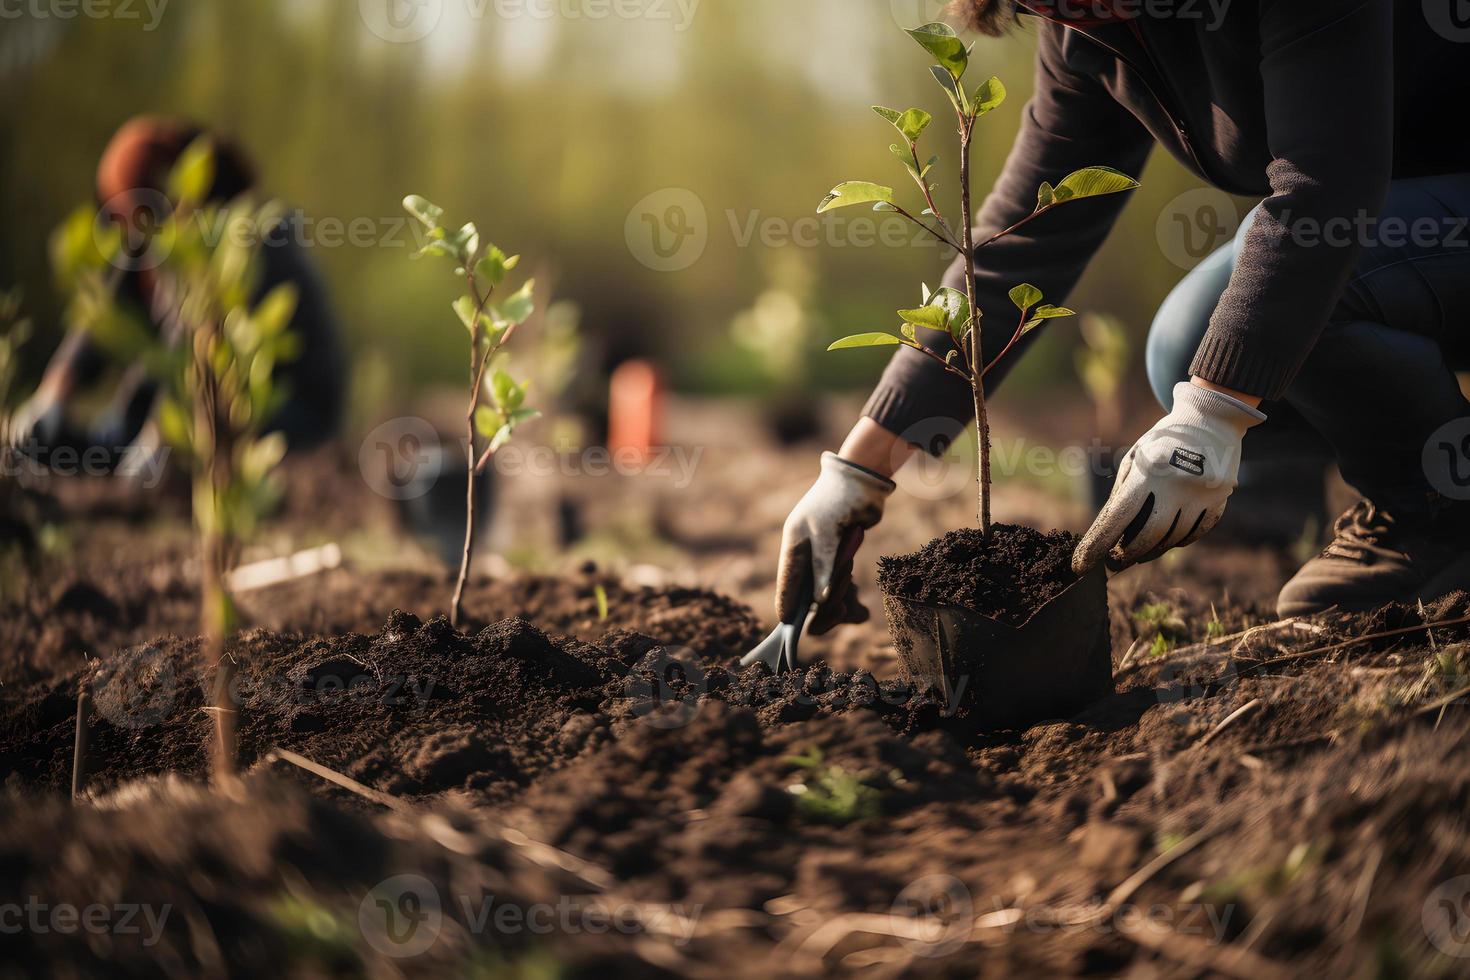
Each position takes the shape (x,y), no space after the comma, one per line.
(948,310)
(497,401)
(214,359)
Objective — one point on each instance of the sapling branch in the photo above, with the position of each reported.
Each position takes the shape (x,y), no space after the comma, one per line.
(491,328)
(942,310)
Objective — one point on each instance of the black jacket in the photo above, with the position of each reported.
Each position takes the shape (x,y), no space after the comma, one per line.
(1314,105)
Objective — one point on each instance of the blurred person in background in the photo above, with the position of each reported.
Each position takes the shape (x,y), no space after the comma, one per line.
(131,180)
(1324,315)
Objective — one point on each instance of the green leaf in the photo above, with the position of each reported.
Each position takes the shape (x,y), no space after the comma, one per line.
(951,87)
(173,423)
(467,308)
(892,115)
(273,314)
(600,594)
(191,178)
(262,456)
(932,317)
(907,329)
(989,95)
(1025,296)
(509,396)
(517,307)
(855,192)
(1048,312)
(512,422)
(911,122)
(488,421)
(433,250)
(941,41)
(865,340)
(465,242)
(428,214)
(1045,195)
(956,307)
(1092,182)
(492,266)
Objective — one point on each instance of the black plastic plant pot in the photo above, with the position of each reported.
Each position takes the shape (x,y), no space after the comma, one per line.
(1005,677)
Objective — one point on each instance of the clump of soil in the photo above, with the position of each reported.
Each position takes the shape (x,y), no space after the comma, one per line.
(1008,578)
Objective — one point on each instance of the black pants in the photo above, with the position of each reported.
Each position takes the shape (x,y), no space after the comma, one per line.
(1381,380)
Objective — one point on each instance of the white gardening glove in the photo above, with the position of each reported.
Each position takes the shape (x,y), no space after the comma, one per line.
(1174,482)
(820,537)
(37,426)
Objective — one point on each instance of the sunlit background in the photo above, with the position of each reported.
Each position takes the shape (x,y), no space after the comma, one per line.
(580,134)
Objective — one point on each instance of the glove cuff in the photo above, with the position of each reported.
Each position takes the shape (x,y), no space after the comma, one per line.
(846,470)
(1194,405)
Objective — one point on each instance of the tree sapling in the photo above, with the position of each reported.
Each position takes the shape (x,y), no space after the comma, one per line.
(490,325)
(214,359)
(947,310)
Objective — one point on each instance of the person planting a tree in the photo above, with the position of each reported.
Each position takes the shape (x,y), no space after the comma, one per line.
(1323,318)
(132,181)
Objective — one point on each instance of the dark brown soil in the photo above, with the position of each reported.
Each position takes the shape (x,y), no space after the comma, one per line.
(789,821)
(1008,578)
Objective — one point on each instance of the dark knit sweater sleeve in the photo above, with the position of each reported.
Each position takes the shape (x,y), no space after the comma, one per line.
(1328,75)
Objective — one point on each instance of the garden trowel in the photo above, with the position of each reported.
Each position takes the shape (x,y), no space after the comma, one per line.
(778,651)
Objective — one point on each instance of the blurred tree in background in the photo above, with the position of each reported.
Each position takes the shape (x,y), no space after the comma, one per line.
(574,131)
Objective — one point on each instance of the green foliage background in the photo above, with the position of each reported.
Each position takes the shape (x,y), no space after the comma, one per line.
(549,129)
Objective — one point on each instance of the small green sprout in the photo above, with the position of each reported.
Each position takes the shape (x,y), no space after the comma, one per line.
(949,311)
(1214,629)
(497,401)
(831,794)
(600,594)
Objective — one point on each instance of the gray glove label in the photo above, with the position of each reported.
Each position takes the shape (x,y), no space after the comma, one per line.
(1189,461)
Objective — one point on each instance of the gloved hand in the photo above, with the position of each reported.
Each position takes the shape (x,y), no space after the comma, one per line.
(37,427)
(820,538)
(1172,487)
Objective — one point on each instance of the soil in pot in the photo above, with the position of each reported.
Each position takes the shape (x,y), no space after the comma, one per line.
(1020,570)
(1003,628)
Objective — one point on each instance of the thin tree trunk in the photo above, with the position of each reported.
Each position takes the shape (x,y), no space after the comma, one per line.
(455,605)
(216,628)
(977,357)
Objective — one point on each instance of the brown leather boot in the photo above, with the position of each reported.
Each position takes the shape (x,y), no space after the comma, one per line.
(1378,556)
